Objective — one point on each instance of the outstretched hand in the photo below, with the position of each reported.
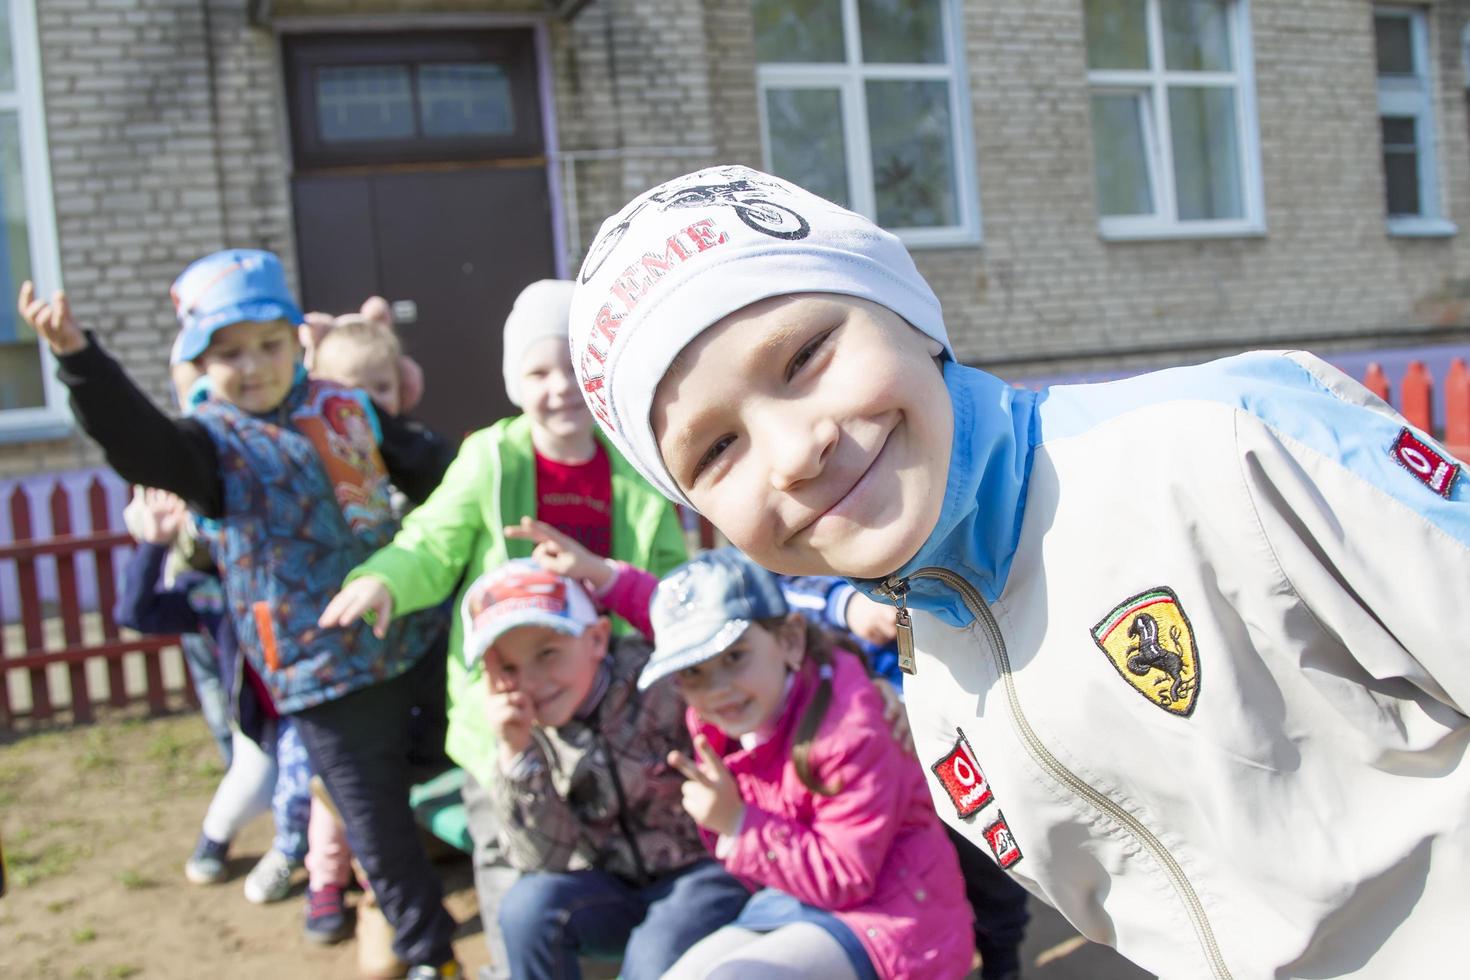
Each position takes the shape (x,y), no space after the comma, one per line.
(53,320)
(161,516)
(366,597)
(711,795)
(562,555)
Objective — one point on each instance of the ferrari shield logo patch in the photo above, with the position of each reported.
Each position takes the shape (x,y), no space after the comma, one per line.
(1148,640)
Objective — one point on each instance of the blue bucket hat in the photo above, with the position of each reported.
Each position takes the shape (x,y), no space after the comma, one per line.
(703,606)
(232,286)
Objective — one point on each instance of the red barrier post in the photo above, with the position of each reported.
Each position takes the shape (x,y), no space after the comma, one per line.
(1376,381)
(71,607)
(117,694)
(1418,396)
(30,604)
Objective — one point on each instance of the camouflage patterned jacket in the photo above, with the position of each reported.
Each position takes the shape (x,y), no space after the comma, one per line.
(564,807)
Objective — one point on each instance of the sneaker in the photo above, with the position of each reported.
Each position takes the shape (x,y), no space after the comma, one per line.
(270,879)
(446,971)
(206,866)
(327,921)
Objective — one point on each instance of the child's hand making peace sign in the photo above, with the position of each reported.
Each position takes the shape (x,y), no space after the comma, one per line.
(711,795)
(561,555)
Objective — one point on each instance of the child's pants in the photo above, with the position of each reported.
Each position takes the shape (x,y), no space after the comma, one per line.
(793,952)
(549,918)
(274,775)
(494,878)
(360,745)
(1000,909)
(213,692)
(328,858)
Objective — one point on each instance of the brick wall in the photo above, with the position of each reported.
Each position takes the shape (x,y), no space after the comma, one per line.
(164,147)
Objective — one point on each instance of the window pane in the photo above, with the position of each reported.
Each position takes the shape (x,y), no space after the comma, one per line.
(1197,35)
(1401,165)
(1117,34)
(808,145)
(1207,179)
(902,31)
(465,100)
(798,30)
(367,102)
(1395,38)
(1121,155)
(21,384)
(913,160)
(7,56)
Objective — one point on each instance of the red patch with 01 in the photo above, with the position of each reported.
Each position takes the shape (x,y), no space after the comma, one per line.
(1425,463)
(962,779)
(1007,852)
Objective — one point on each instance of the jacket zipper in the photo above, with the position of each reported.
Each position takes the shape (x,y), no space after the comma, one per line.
(897,589)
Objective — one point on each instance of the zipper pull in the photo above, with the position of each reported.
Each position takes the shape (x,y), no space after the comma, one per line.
(897,589)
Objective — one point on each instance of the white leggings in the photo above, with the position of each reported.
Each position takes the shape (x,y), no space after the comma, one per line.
(800,950)
(245,791)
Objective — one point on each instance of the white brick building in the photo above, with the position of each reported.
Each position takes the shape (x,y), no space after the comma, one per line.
(1085,182)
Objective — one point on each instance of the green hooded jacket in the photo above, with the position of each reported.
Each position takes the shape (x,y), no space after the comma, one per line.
(459,530)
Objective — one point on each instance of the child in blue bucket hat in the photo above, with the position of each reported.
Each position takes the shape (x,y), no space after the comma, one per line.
(294,474)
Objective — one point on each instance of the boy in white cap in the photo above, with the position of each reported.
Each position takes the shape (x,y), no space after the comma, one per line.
(1188,648)
(547,464)
(586,804)
(293,475)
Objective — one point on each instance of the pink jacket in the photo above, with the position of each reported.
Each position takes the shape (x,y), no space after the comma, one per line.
(875,853)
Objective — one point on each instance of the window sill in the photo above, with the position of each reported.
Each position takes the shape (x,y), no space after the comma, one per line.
(1422,228)
(922,239)
(1136,231)
(34,425)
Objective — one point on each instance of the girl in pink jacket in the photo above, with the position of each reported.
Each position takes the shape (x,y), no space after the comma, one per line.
(801,791)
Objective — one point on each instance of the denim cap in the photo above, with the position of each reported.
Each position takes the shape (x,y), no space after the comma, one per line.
(521,593)
(233,286)
(703,606)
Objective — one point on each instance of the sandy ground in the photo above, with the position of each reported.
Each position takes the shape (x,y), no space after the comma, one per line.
(96,823)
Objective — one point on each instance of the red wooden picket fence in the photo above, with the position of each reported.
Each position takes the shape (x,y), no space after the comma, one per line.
(89,636)
(85,636)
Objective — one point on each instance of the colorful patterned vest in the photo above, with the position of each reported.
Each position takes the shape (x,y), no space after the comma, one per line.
(305,500)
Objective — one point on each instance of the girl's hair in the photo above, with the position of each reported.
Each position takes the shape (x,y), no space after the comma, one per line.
(819,651)
(371,338)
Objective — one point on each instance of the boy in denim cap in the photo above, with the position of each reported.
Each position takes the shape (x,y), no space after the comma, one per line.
(1188,648)
(294,474)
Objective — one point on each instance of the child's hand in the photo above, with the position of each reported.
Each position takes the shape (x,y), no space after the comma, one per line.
(895,715)
(560,555)
(53,320)
(711,795)
(367,597)
(161,516)
(873,621)
(512,716)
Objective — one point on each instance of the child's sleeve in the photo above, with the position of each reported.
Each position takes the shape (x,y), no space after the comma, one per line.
(140,442)
(629,596)
(143,606)
(423,563)
(538,830)
(834,861)
(669,549)
(820,598)
(417,457)
(1371,530)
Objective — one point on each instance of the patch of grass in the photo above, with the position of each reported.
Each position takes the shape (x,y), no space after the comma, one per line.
(14,777)
(83,973)
(97,754)
(28,865)
(60,906)
(135,881)
(83,935)
(121,971)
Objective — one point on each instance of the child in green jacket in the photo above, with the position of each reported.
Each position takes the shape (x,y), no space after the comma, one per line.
(550,464)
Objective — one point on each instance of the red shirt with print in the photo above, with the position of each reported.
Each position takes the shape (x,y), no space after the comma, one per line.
(576,499)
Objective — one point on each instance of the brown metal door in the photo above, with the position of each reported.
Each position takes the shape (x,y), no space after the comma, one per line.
(448,228)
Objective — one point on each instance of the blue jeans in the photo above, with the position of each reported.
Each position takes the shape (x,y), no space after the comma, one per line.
(549,918)
(212,691)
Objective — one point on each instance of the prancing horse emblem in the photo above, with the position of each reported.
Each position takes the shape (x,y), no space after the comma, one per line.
(1165,671)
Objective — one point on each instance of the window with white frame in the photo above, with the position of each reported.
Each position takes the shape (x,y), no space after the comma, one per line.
(1175,150)
(29,400)
(864,102)
(1406,122)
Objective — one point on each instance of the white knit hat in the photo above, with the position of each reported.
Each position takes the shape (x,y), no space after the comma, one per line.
(540,311)
(688,253)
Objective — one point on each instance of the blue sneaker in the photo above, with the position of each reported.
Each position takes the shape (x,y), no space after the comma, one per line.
(326,916)
(206,866)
